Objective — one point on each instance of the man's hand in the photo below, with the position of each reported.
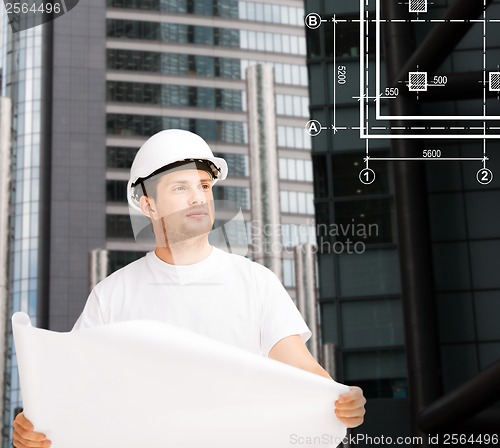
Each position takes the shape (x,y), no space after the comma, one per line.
(24,435)
(350,407)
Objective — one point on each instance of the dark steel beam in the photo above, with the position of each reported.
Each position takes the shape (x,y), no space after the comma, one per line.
(414,240)
(443,38)
(477,394)
(411,208)
(43,294)
(485,422)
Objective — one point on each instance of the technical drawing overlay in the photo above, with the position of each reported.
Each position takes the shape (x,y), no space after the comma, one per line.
(420,83)
(480,121)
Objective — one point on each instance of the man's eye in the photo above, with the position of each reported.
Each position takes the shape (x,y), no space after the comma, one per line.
(179,188)
(206,186)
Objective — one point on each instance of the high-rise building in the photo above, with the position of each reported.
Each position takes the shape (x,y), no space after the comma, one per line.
(183,64)
(55,77)
(89,88)
(409,313)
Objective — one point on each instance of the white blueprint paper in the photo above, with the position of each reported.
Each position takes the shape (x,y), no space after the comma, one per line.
(145,384)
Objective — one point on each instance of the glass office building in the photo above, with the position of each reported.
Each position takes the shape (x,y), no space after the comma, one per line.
(366,298)
(89,88)
(22,83)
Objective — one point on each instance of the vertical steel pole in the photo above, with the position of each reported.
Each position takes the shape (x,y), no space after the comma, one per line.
(413,228)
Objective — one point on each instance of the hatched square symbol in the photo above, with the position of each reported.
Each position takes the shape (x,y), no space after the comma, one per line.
(494,81)
(418,5)
(418,82)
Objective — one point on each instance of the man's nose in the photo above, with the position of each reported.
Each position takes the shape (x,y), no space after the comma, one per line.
(197,196)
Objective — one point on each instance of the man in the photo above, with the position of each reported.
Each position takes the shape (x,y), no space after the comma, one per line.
(189,283)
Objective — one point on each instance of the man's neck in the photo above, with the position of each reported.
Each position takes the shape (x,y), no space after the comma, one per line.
(185,252)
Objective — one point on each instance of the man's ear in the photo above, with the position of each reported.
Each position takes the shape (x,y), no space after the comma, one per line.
(148,207)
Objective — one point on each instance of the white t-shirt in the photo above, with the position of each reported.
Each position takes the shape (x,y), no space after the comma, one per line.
(225,297)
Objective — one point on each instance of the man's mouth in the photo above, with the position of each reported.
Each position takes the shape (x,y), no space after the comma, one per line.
(197,214)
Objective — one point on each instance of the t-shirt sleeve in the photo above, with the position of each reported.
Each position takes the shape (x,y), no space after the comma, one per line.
(91,315)
(280,317)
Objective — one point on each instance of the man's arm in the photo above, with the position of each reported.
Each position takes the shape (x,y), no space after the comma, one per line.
(350,407)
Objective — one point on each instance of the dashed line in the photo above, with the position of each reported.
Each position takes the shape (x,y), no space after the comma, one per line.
(414,128)
(414,20)
(430,128)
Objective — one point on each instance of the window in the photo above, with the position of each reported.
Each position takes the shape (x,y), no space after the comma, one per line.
(289,273)
(381,373)
(235,233)
(372,323)
(116,191)
(118,226)
(300,169)
(174,95)
(345,171)
(292,172)
(284,14)
(370,220)
(292,105)
(140,125)
(259,12)
(202,35)
(373,272)
(117,259)
(120,157)
(218,8)
(296,202)
(347,42)
(237,163)
(291,137)
(239,195)
(294,234)
(264,12)
(185,64)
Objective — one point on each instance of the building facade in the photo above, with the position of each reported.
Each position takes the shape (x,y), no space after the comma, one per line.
(408,313)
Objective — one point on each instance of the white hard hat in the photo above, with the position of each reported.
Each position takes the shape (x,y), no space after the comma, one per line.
(165,148)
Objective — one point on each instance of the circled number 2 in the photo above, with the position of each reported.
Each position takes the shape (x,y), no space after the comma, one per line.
(484,176)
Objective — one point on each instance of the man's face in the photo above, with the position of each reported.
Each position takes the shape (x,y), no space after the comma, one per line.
(183,208)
